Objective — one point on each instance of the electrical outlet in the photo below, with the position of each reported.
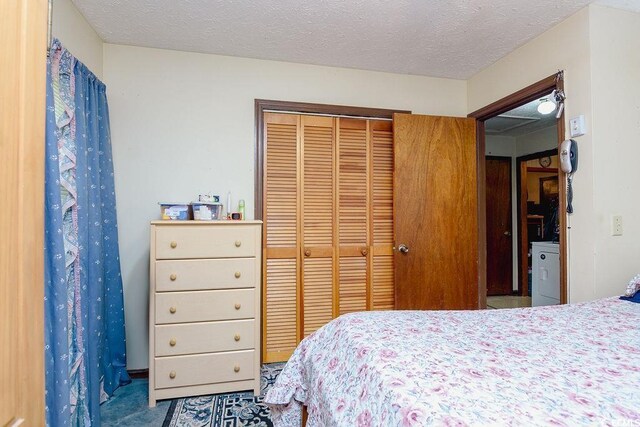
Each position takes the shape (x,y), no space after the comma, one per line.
(616,224)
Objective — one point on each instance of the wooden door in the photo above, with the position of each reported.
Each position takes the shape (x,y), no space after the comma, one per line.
(22,119)
(318,213)
(281,255)
(499,226)
(382,294)
(435,202)
(328,224)
(353,214)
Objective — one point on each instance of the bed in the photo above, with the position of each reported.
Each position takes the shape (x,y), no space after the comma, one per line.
(576,364)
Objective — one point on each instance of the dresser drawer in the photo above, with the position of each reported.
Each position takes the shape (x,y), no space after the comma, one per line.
(204,369)
(203,306)
(200,274)
(180,242)
(207,337)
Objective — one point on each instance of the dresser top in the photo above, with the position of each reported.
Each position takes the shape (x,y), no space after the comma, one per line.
(194,222)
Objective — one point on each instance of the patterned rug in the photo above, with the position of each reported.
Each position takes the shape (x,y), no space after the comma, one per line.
(225,410)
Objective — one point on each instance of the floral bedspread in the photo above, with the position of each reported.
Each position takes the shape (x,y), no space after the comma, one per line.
(568,365)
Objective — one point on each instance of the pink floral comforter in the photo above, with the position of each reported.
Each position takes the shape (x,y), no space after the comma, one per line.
(567,365)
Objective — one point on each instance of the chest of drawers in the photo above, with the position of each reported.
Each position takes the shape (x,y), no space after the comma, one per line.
(204,308)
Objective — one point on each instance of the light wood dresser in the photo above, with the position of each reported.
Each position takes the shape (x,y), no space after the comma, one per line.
(204,308)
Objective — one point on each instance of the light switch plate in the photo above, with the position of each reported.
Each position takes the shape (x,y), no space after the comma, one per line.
(576,126)
(616,225)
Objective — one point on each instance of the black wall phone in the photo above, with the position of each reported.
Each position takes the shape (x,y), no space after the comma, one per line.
(569,164)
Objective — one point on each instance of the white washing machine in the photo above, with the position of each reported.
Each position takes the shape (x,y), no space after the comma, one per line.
(545,274)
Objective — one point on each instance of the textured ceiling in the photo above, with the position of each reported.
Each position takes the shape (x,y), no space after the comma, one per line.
(520,121)
(630,5)
(440,38)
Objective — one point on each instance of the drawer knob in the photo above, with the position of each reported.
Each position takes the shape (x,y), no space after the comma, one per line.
(307,252)
(237,275)
(238,306)
(173,277)
(172,342)
(238,243)
(172,374)
(237,337)
(174,244)
(172,310)
(236,368)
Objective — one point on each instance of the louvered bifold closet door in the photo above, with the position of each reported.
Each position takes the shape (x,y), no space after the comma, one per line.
(281,227)
(353,215)
(382,236)
(318,216)
(328,224)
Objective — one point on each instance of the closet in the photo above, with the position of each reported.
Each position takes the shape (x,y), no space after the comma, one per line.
(328,224)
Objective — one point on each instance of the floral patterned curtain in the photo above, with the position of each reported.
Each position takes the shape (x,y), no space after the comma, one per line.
(84,313)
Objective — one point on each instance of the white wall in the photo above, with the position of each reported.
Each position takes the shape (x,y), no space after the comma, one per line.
(183,124)
(535,142)
(75,33)
(499,145)
(563,47)
(615,74)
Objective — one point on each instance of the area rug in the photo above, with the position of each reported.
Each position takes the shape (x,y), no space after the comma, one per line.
(227,409)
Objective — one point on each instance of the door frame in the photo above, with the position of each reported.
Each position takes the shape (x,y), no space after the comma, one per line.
(523,233)
(527,94)
(492,157)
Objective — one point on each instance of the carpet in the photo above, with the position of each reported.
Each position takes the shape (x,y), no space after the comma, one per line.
(226,409)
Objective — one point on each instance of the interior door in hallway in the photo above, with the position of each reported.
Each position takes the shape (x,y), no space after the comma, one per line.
(499,226)
(436,218)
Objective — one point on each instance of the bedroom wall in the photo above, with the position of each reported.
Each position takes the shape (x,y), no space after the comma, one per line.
(183,124)
(75,33)
(615,74)
(563,47)
(534,142)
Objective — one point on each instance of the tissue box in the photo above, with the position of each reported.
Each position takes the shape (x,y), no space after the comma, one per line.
(175,211)
(206,211)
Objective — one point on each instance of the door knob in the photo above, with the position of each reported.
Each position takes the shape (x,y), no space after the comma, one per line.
(403,248)
(507,233)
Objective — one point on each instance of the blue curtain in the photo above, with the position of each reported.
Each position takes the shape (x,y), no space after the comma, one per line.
(84,313)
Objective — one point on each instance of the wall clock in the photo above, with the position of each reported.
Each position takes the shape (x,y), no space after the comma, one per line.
(545,162)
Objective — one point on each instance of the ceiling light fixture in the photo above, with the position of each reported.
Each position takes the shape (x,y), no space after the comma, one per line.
(547,105)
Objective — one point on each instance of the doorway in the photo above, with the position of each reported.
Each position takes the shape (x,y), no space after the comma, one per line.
(521,199)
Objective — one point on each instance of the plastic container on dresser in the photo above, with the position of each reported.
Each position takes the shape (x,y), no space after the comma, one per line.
(204,308)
